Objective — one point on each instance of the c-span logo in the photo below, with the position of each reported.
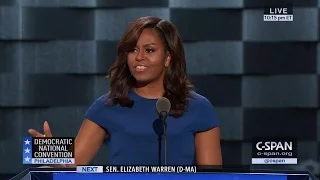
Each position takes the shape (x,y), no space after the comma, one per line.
(274,151)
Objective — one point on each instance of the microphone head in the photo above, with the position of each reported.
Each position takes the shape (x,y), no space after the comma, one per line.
(163,105)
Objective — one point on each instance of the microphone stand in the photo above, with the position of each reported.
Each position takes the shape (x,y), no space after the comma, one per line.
(163,117)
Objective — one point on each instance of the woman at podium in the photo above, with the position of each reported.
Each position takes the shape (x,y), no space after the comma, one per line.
(141,129)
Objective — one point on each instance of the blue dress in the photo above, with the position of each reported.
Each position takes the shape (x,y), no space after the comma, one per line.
(135,133)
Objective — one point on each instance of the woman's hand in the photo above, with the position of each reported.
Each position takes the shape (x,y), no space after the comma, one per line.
(46,130)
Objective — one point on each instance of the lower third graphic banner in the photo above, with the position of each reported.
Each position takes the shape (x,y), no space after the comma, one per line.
(48,150)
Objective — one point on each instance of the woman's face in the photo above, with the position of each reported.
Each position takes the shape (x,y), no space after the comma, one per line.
(148,60)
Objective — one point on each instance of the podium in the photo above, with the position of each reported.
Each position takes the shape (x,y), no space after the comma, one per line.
(70,173)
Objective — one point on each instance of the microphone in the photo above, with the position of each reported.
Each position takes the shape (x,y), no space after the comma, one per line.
(163,106)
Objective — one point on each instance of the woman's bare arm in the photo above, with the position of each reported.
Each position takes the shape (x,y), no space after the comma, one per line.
(208,150)
(87,143)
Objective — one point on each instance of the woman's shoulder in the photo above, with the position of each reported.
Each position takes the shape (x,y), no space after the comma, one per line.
(98,111)
(198,100)
(102,99)
(205,112)
(99,104)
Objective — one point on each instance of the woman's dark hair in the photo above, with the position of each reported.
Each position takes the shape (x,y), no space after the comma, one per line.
(176,83)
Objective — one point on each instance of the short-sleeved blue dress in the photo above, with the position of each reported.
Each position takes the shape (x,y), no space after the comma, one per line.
(134,134)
